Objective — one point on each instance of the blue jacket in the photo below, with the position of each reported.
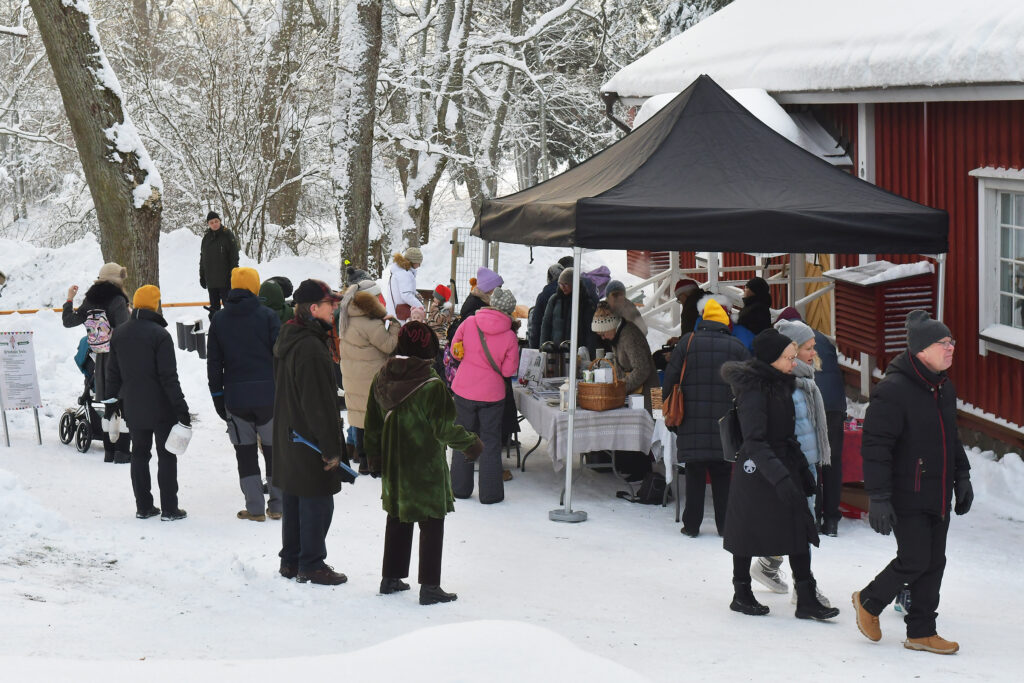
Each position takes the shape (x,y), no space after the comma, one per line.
(805,427)
(240,352)
(830,378)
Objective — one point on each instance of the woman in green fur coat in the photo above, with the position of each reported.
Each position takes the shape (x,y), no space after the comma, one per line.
(410,420)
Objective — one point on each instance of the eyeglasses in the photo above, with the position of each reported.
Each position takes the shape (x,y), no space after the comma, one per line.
(789,359)
(947,343)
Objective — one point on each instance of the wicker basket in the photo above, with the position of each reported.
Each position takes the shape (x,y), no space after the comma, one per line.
(599,396)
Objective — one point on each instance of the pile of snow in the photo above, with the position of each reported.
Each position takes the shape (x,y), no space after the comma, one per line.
(831,45)
(877,272)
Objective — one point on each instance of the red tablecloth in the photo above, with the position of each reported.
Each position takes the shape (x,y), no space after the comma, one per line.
(853,465)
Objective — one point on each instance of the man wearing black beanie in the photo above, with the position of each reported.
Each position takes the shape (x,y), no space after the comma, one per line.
(914,465)
(218,256)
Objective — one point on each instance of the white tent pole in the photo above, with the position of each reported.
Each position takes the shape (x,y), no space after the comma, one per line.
(566,514)
(940,305)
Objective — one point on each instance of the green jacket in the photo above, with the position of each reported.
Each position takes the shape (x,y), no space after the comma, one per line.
(306,401)
(218,256)
(410,419)
(273,298)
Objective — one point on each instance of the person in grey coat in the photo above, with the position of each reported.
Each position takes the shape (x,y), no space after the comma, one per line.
(706,398)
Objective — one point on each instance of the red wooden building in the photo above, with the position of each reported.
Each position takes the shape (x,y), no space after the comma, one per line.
(943,131)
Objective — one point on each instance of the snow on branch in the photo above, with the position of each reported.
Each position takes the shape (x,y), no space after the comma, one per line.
(18,31)
(543,22)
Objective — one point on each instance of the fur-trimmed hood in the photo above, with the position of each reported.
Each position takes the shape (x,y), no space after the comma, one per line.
(402,262)
(364,303)
(756,375)
(103,291)
(400,377)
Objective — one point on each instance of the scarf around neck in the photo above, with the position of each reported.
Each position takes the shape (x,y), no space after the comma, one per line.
(804,374)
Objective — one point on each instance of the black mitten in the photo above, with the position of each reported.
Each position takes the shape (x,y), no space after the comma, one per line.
(882,516)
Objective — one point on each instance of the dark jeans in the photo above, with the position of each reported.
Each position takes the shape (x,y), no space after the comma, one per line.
(483,419)
(920,562)
(360,447)
(217,296)
(166,469)
(830,481)
(696,479)
(304,528)
(398,550)
(799,566)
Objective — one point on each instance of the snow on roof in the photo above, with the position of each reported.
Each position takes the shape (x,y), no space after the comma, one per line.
(799,128)
(825,45)
(878,272)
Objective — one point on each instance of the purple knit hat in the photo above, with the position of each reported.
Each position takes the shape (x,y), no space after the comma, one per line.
(487,279)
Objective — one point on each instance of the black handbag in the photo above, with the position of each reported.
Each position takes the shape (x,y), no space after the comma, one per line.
(731,434)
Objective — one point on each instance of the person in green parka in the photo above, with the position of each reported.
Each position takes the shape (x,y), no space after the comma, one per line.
(272,297)
(410,420)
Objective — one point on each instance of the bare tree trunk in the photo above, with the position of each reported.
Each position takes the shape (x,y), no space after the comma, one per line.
(354,115)
(123,180)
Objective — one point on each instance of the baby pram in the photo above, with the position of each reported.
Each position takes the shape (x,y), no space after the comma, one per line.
(83,423)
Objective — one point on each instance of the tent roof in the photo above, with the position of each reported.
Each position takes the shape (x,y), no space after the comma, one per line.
(790,46)
(704,174)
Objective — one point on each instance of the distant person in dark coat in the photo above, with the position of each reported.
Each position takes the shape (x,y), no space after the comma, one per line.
(829,379)
(556,327)
(914,465)
(539,306)
(143,374)
(218,256)
(106,296)
(767,512)
(305,403)
(706,398)
(756,314)
(240,371)
(273,297)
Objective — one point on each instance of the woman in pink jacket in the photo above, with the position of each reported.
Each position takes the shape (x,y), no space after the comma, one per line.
(490,354)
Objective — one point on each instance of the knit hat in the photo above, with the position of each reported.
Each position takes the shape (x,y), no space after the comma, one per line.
(789,313)
(148,297)
(418,314)
(417,340)
(245,278)
(923,331)
(355,275)
(414,255)
(769,345)
(210,216)
(565,277)
(714,312)
(686,286)
(604,320)
(614,286)
(487,279)
(760,288)
(284,283)
(503,300)
(554,270)
(795,330)
(369,285)
(314,291)
(112,272)
(443,292)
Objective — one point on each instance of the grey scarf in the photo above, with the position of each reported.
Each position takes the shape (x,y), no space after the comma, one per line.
(804,374)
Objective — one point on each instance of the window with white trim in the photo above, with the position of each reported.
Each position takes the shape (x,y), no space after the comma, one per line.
(1000,261)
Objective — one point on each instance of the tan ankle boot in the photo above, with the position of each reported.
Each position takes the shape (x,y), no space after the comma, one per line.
(936,644)
(866,621)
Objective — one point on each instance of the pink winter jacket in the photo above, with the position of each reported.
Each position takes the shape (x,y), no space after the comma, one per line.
(475,379)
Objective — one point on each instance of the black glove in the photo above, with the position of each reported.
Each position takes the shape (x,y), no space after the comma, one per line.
(790,493)
(807,480)
(112,410)
(185,419)
(882,517)
(218,405)
(964,495)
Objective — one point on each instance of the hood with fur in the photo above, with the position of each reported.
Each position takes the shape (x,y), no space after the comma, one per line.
(402,262)
(364,303)
(399,379)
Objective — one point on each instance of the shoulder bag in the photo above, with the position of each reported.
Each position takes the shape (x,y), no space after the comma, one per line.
(674,407)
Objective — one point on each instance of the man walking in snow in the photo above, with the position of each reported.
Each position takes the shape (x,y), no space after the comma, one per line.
(240,370)
(914,463)
(218,256)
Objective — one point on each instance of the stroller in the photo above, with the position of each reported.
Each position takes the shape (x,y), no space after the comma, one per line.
(83,423)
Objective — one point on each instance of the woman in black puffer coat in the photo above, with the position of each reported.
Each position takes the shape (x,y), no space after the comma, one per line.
(768,512)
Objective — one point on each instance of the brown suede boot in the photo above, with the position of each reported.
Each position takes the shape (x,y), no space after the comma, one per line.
(866,621)
(935,644)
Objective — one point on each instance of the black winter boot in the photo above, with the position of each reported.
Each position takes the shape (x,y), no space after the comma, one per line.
(389,586)
(743,600)
(431,595)
(807,604)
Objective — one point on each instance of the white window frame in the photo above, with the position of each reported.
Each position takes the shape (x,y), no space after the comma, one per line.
(992,335)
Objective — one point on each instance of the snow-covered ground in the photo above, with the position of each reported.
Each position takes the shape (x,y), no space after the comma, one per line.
(88,592)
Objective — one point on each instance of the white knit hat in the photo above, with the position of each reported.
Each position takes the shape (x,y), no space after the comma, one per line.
(604,320)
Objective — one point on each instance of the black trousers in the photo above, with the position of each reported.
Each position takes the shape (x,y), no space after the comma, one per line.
(166,469)
(217,296)
(799,565)
(304,526)
(920,562)
(398,550)
(830,481)
(696,479)
(484,419)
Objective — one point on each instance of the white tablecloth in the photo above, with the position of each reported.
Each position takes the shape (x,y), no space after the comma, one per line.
(623,429)
(663,446)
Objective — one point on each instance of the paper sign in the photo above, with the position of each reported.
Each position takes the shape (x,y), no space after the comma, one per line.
(531,366)
(19,383)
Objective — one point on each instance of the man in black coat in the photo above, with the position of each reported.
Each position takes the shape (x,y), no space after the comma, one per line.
(143,374)
(240,371)
(537,312)
(914,464)
(218,256)
(305,403)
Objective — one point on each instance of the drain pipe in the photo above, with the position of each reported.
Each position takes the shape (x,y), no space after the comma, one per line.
(609,102)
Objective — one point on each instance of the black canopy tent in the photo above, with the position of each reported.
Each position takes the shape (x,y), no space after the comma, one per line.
(704,174)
